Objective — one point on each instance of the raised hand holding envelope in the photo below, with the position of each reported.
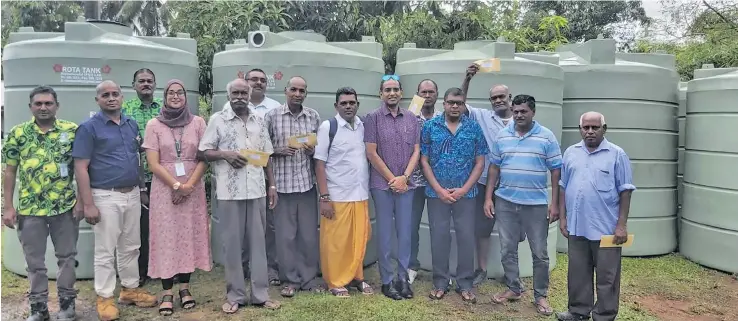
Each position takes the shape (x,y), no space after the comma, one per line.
(416,105)
(488,65)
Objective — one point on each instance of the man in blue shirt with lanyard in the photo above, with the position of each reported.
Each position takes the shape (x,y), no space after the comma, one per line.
(108,170)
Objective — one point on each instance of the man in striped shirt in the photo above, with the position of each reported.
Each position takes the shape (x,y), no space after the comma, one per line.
(520,157)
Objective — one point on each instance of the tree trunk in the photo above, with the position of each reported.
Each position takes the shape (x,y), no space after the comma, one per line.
(92,9)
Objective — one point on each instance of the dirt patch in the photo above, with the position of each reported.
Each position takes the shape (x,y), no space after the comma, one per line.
(685,310)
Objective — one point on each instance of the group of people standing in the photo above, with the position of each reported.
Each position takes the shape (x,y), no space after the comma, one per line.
(142,190)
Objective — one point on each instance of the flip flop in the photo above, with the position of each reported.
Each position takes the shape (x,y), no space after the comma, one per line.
(340,292)
(468,296)
(543,310)
(437,294)
(230,307)
(506,296)
(288,292)
(363,287)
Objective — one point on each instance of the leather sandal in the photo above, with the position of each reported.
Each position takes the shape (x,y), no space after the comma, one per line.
(186,304)
(166,311)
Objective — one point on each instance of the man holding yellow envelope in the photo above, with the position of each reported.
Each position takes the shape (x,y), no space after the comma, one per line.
(292,129)
(596,186)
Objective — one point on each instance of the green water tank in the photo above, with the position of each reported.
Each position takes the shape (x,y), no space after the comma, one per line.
(326,66)
(638,95)
(709,234)
(536,74)
(681,122)
(73,63)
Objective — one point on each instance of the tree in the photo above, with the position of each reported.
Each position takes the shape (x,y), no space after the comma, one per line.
(709,37)
(43,16)
(146,18)
(588,19)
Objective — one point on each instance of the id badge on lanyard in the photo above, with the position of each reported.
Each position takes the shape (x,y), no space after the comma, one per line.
(178,165)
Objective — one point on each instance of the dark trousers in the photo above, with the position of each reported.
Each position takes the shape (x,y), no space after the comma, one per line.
(440,216)
(298,249)
(586,258)
(418,207)
(143,258)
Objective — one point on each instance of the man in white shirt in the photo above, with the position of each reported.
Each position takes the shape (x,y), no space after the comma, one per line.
(342,172)
(260,104)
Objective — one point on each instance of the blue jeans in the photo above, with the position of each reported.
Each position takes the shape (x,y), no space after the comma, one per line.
(393,208)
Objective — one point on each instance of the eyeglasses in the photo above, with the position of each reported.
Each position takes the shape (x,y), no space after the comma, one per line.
(179,93)
(455,103)
(388,77)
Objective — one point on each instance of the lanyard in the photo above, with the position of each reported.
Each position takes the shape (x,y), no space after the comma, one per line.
(178,142)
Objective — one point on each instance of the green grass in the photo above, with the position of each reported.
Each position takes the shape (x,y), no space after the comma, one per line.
(670,277)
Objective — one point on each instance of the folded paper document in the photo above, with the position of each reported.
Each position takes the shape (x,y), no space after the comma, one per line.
(416,105)
(488,65)
(255,157)
(297,141)
(609,241)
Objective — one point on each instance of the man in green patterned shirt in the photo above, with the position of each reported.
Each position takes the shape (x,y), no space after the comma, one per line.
(142,109)
(39,153)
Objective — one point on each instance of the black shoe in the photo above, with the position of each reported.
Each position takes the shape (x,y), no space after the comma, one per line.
(389,291)
(568,316)
(403,287)
(66,309)
(479,277)
(39,312)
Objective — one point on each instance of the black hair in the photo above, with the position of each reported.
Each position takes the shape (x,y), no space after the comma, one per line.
(346,91)
(146,70)
(525,99)
(381,83)
(43,90)
(432,82)
(257,70)
(453,91)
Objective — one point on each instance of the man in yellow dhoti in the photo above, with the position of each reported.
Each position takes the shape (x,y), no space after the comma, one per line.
(342,172)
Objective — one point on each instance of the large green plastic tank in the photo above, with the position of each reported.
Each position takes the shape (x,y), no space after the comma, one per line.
(326,66)
(638,95)
(709,234)
(73,63)
(535,74)
(681,122)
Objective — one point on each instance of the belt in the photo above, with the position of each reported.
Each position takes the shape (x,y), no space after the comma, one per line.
(123,189)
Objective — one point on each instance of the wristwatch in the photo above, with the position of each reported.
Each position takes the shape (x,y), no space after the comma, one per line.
(325,197)
(176,185)
(272,187)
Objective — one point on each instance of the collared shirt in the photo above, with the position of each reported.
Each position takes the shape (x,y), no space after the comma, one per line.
(524,163)
(417,177)
(228,132)
(396,137)
(347,169)
(135,109)
(491,125)
(293,174)
(45,167)
(592,182)
(113,150)
(262,108)
(452,156)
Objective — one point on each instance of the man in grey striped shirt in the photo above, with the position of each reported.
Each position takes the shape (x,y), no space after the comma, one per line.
(296,213)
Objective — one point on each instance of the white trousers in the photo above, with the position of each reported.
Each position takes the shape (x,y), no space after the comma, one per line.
(117,233)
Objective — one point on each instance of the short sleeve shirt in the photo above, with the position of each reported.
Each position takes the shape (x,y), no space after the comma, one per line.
(396,137)
(228,132)
(135,109)
(45,167)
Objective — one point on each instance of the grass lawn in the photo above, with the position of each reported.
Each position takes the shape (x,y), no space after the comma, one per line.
(662,288)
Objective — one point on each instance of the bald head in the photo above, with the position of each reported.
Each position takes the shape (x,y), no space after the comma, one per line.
(499,88)
(106,84)
(592,116)
(295,91)
(592,127)
(109,97)
(500,98)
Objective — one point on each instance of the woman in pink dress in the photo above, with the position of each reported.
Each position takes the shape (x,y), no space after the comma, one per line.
(179,238)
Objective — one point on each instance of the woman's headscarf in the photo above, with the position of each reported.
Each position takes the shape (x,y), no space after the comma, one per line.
(175,117)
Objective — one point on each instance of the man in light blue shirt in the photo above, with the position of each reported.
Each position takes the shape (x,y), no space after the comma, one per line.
(491,121)
(596,186)
(520,157)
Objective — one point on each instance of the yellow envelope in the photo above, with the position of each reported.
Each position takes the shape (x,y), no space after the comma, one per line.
(297,141)
(255,157)
(608,241)
(488,65)
(416,105)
